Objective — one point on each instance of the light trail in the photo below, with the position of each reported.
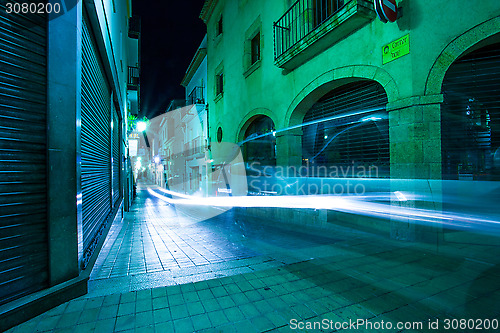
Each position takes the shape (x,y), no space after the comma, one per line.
(347,204)
(356,124)
(317,121)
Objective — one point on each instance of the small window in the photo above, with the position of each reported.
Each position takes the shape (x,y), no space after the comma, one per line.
(255,48)
(252,47)
(219,84)
(170,128)
(218,28)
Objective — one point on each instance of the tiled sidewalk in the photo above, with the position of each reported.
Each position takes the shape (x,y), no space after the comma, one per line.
(273,285)
(391,284)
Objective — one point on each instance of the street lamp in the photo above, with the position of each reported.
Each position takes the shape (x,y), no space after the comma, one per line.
(141,126)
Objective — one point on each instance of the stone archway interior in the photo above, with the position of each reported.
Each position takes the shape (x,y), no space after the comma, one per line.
(348,128)
(259,145)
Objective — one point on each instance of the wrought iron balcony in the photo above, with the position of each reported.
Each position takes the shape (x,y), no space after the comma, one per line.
(308,21)
(133,78)
(300,19)
(196,96)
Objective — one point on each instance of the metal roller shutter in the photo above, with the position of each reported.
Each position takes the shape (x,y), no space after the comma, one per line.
(470,117)
(349,126)
(259,147)
(95,144)
(23,171)
(116,157)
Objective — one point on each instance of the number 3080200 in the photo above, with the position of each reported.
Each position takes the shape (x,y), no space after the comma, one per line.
(32,8)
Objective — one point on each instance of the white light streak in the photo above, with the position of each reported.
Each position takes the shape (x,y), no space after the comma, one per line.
(400,196)
(346,204)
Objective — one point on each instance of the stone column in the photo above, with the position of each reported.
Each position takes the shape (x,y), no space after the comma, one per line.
(289,148)
(415,152)
(63,121)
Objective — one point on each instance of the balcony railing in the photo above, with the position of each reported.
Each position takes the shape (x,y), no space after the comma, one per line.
(300,19)
(196,96)
(194,148)
(133,78)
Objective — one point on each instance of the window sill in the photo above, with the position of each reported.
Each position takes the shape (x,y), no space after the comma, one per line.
(218,97)
(252,68)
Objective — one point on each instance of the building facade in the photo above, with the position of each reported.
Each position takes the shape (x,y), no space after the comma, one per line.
(196,138)
(320,84)
(182,133)
(64,95)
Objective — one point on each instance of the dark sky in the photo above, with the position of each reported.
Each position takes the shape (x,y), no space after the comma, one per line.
(171,33)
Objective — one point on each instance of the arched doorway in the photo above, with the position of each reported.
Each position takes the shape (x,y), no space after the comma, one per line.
(470,117)
(348,128)
(259,143)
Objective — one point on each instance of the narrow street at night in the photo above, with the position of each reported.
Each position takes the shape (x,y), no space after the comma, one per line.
(249,166)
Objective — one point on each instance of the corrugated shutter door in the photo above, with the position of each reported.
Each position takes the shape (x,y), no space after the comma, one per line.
(470,117)
(349,126)
(95,144)
(116,157)
(23,172)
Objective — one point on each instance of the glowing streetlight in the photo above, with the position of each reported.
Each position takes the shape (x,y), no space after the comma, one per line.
(141,126)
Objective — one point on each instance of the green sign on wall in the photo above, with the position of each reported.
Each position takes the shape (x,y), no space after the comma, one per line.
(396,49)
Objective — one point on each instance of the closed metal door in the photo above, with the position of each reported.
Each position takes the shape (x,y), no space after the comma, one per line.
(470,118)
(96,144)
(349,127)
(470,129)
(116,157)
(23,155)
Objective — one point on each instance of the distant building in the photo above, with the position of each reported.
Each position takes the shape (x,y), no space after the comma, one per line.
(183,133)
(318,84)
(67,88)
(196,132)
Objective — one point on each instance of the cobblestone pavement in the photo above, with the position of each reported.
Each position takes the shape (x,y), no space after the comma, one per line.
(160,271)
